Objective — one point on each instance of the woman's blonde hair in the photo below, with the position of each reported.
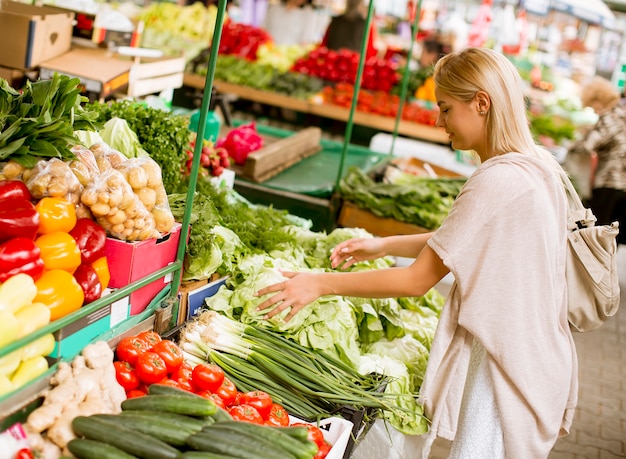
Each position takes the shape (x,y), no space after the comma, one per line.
(599,90)
(463,74)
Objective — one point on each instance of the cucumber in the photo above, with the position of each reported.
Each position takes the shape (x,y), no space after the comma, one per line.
(182,420)
(164,389)
(300,449)
(84,448)
(130,441)
(241,446)
(160,427)
(179,404)
(205,455)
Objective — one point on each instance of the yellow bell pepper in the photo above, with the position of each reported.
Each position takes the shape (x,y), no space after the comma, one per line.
(60,292)
(59,251)
(6,386)
(16,292)
(28,370)
(55,214)
(9,328)
(10,362)
(101,265)
(41,346)
(32,317)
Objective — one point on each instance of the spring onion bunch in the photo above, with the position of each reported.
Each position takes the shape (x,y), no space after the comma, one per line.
(309,384)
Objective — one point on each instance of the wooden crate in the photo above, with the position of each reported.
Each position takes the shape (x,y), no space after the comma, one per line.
(277,154)
(352,216)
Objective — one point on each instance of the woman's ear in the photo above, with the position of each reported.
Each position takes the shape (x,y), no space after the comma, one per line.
(483,102)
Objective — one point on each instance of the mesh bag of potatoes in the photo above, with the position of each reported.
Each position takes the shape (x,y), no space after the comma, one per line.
(11,170)
(117,209)
(144,176)
(52,178)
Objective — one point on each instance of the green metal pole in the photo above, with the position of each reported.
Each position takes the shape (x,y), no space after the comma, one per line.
(355,93)
(193,176)
(405,77)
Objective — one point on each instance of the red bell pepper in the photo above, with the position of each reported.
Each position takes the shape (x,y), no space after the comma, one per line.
(90,238)
(18,218)
(14,189)
(20,255)
(89,282)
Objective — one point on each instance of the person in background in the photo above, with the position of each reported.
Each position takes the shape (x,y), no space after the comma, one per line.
(501,380)
(433,49)
(348,29)
(292,22)
(607,141)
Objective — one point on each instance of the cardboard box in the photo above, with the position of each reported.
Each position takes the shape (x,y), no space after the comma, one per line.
(30,35)
(337,432)
(132,261)
(192,295)
(100,72)
(14,77)
(71,339)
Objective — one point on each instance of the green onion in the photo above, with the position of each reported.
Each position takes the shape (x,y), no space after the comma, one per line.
(309,384)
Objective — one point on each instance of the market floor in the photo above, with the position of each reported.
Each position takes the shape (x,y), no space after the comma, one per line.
(599,428)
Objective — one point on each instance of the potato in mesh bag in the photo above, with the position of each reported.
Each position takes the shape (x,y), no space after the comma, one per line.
(144,176)
(84,166)
(117,209)
(53,178)
(107,157)
(11,170)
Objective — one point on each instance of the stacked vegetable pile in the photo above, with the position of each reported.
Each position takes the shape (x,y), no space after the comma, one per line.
(423,201)
(242,40)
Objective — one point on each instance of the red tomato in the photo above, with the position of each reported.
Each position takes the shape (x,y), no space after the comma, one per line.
(126,375)
(213,397)
(170,382)
(245,413)
(150,368)
(323,450)
(130,348)
(135,393)
(227,391)
(315,433)
(170,353)
(24,453)
(207,376)
(150,337)
(259,400)
(278,416)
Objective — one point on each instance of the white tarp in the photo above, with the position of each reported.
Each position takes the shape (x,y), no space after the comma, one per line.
(593,11)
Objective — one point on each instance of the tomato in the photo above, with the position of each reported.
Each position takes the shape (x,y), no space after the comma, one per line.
(260,400)
(135,393)
(130,348)
(323,450)
(207,376)
(126,375)
(213,397)
(170,353)
(227,391)
(278,416)
(24,453)
(171,383)
(150,337)
(245,413)
(315,433)
(150,368)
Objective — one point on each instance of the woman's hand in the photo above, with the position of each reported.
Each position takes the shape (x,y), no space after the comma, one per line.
(299,290)
(354,250)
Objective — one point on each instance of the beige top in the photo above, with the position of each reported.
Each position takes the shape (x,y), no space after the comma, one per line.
(504,241)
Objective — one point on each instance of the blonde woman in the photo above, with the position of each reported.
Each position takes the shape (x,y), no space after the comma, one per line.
(607,140)
(502,374)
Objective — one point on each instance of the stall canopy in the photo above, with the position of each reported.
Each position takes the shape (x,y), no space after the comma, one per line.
(592,11)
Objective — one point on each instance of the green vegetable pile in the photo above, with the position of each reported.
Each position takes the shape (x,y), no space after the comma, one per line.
(163,135)
(423,201)
(266,77)
(40,120)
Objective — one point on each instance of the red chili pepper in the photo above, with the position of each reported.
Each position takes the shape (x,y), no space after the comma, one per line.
(14,189)
(18,218)
(90,238)
(89,282)
(20,255)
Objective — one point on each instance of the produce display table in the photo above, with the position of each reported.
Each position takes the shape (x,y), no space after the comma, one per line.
(335,112)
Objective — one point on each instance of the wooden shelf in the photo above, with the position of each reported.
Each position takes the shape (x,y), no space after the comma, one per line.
(382,123)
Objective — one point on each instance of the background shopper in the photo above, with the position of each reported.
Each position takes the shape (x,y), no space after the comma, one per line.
(502,373)
(347,30)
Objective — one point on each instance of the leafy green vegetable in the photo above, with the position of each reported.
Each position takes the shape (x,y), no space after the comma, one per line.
(40,120)
(164,135)
(118,135)
(423,201)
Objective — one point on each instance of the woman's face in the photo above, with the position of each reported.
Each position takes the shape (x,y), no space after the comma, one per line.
(463,123)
